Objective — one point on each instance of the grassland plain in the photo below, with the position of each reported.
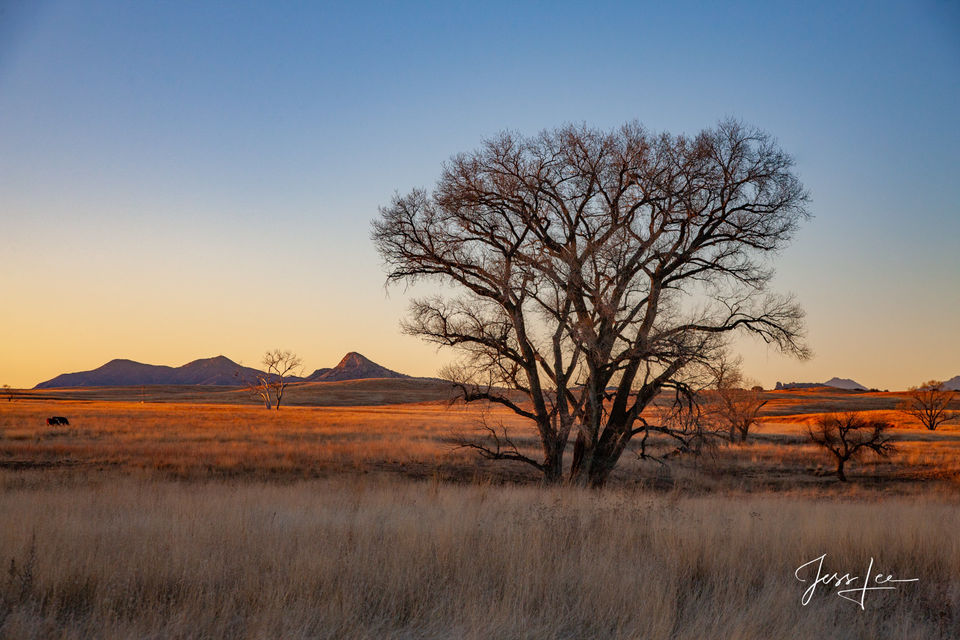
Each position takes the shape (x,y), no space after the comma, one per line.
(180,520)
(363,558)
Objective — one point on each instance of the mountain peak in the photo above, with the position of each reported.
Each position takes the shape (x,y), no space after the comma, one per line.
(353,366)
(836,383)
(220,371)
(214,361)
(354,359)
(845,383)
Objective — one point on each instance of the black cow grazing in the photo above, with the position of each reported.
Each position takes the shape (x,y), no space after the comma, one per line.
(57,420)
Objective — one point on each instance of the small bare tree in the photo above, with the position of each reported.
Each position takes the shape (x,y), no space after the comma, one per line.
(734,402)
(9,392)
(270,383)
(848,436)
(929,404)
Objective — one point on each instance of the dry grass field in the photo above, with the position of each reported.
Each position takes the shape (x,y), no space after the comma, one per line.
(202,519)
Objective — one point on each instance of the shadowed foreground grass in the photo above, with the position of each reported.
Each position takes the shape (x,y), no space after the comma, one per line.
(356,558)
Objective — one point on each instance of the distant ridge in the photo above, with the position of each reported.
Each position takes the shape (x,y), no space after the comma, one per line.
(353,366)
(218,371)
(953,384)
(836,383)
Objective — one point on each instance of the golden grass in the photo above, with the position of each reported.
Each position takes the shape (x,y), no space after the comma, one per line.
(417,441)
(174,520)
(367,392)
(189,441)
(359,558)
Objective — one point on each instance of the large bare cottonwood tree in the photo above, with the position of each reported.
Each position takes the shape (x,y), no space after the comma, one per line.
(586,271)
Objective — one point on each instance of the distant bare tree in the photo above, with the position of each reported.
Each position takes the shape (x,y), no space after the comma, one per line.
(9,392)
(593,270)
(259,386)
(734,401)
(848,436)
(270,383)
(928,403)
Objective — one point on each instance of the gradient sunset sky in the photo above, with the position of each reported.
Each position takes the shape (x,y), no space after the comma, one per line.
(181,180)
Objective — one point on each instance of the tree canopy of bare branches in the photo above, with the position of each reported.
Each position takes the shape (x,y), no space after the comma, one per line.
(734,401)
(592,270)
(270,383)
(850,435)
(929,404)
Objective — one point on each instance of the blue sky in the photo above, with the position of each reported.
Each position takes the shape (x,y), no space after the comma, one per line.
(179,180)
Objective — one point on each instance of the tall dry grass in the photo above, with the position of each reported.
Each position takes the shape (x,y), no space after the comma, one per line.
(401,559)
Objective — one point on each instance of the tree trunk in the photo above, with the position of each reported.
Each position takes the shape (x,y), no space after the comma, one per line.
(602,467)
(601,461)
(553,462)
(840,473)
(582,459)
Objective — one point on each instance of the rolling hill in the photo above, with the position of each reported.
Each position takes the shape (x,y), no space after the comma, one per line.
(218,371)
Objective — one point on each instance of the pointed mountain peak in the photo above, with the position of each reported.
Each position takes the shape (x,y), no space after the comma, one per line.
(353,366)
(214,361)
(353,360)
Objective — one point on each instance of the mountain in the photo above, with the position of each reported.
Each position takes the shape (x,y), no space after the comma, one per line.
(845,383)
(836,383)
(952,384)
(220,371)
(353,366)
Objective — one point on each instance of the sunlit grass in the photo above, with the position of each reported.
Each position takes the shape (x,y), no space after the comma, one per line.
(217,521)
(419,441)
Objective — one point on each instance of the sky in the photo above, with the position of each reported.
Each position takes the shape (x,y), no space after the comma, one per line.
(181,180)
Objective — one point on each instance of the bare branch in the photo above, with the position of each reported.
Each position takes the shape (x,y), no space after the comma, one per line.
(595,269)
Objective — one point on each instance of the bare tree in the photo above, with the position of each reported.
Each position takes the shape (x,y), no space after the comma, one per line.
(270,383)
(929,404)
(734,401)
(593,270)
(849,436)
(10,392)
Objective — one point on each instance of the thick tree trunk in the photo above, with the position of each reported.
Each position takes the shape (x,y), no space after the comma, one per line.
(840,473)
(553,464)
(592,465)
(582,461)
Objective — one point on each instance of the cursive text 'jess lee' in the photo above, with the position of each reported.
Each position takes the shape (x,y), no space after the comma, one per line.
(858,594)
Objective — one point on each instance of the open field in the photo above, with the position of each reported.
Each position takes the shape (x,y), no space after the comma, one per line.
(364,392)
(358,558)
(175,519)
(416,440)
